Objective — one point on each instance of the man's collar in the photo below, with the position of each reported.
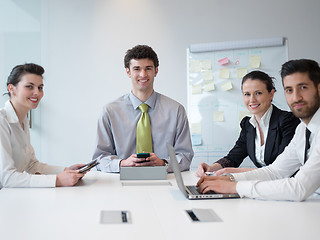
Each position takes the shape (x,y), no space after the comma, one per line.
(151,102)
(313,125)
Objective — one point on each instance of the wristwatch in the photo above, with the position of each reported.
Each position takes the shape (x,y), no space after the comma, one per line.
(165,162)
(231,177)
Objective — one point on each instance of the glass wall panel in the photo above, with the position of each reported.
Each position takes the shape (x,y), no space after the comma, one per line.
(20,42)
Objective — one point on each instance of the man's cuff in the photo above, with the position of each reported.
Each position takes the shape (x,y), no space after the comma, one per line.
(239,177)
(109,166)
(244,188)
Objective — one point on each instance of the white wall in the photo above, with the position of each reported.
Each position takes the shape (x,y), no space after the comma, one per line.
(84,41)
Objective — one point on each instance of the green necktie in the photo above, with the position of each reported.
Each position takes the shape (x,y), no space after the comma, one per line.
(144,140)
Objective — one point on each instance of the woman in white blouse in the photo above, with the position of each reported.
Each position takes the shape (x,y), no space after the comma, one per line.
(18,165)
(264,135)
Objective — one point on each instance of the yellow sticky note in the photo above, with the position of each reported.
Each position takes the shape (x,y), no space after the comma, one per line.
(241,72)
(226,86)
(195,66)
(206,65)
(196,89)
(243,114)
(224,73)
(255,61)
(208,86)
(196,128)
(218,116)
(207,75)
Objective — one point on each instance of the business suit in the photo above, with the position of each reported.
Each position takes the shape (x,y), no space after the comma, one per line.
(282,127)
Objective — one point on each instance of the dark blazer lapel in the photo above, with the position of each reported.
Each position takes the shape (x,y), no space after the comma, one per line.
(272,134)
(251,135)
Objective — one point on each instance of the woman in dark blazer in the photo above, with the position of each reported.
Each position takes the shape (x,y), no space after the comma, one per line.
(264,135)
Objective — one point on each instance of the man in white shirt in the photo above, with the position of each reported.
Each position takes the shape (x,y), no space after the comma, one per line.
(301,82)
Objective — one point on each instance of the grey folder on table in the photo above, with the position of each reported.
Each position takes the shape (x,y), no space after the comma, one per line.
(143,173)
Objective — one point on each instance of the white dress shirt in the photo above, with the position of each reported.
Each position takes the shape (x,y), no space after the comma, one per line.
(274,182)
(264,125)
(117,128)
(17,160)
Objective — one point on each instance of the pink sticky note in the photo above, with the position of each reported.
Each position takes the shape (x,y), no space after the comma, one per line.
(223,61)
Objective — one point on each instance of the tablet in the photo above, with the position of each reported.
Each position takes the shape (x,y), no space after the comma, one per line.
(88,166)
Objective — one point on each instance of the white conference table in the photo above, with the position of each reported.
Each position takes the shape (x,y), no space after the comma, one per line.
(157,211)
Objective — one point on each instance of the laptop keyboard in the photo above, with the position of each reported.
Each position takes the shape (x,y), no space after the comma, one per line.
(194,190)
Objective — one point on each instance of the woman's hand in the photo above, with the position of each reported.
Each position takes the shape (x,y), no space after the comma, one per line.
(68,178)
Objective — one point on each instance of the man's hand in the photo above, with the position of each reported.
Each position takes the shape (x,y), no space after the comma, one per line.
(133,161)
(220,184)
(153,160)
(130,161)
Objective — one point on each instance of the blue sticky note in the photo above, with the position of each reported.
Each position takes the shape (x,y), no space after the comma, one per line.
(196,139)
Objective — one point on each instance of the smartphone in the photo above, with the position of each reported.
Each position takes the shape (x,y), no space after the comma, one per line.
(88,166)
(143,155)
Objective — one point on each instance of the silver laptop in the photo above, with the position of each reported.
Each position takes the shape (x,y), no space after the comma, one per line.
(191,192)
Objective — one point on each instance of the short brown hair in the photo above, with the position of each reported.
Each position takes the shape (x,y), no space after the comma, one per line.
(140,52)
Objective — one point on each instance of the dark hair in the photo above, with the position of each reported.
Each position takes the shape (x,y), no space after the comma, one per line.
(20,70)
(302,66)
(140,52)
(261,76)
